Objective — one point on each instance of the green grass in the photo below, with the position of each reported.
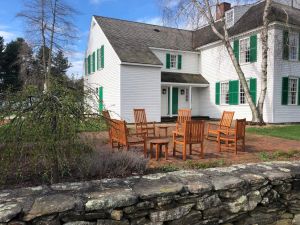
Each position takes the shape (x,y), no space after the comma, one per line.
(278,155)
(291,132)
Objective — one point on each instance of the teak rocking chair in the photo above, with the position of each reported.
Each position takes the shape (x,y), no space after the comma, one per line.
(224,125)
(141,123)
(193,133)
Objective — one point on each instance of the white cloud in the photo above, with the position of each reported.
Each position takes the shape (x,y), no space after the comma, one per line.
(76,59)
(8,34)
(153,20)
(98,2)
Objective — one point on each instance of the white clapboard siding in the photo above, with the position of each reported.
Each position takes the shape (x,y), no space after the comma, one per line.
(109,76)
(140,88)
(216,66)
(284,68)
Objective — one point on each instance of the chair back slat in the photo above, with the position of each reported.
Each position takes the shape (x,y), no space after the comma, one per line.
(119,131)
(227,118)
(240,128)
(194,131)
(184,115)
(140,116)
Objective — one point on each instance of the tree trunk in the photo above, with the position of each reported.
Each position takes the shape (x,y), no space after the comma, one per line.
(264,63)
(43,28)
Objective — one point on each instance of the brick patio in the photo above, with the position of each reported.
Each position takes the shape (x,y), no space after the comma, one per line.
(254,145)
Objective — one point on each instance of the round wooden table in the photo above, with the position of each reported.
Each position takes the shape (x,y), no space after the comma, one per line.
(158,147)
(163,128)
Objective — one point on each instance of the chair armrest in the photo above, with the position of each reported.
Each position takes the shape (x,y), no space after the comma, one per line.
(177,133)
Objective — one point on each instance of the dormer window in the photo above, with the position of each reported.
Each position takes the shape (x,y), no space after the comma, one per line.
(229,18)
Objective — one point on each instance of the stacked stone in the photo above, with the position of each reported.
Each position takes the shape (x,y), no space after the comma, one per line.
(266,193)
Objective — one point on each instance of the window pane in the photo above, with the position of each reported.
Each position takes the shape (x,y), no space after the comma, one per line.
(293,90)
(245,50)
(173,61)
(225,93)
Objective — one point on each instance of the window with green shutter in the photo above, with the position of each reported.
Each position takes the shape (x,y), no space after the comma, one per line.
(298,91)
(234,92)
(253,48)
(102,56)
(236,49)
(94,62)
(89,64)
(217,96)
(285,52)
(179,62)
(253,89)
(168,60)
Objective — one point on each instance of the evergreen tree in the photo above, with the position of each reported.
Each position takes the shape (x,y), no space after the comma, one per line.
(2,47)
(60,65)
(11,65)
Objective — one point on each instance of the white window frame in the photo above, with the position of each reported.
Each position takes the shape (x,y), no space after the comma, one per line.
(293,46)
(293,91)
(242,91)
(222,93)
(245,51)
(229,18)
(173,61)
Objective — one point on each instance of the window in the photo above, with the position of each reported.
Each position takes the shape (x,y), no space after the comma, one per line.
(229,18)
(245,50)
(225,93)
(242,93)
(293,89)
(293,44)
(173,61)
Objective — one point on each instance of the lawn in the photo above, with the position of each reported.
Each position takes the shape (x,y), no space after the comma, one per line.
(291,132)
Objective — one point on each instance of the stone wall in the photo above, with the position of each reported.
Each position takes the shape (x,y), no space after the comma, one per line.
(267,193)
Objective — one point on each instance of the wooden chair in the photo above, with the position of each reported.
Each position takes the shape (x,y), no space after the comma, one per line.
(231,137)
(193,133)
(224,124)
(183,115)
(141,123)
(120,135)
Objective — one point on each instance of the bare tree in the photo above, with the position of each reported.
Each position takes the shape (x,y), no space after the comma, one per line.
(49,25)
(202,10)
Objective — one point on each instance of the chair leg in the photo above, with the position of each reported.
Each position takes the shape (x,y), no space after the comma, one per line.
(151,150)
(166,151)
(184,152)
(157,151)
(219,143)
(145,149)
(191,149)
(236,147)
(244,146)
(202,150)
(174,145)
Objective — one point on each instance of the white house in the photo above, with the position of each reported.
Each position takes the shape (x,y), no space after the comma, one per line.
(136,65)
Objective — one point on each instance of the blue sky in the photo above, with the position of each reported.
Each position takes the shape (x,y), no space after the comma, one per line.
(137,10)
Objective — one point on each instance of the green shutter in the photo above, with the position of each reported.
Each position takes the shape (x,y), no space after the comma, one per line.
(98,59)
(169,97)
(236,49)
(234,92)
(299,47)
(253,89)
(102,56)
(179,62)
(94,62)
(89,64)
(217,100)
(285,91)
(168,60)
(253,48)
(285,52)
(101,105)
(299,90)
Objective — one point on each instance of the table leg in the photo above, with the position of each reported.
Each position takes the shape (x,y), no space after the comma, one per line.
(166,130)
(157,151)
(166,151)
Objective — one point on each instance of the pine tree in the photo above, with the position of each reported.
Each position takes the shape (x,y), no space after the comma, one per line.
(60,65)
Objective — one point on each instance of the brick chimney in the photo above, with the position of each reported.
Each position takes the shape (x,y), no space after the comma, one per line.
(221,9)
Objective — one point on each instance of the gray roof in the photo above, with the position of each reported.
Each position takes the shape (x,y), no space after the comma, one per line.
(131,40)
(183,78)
(252,19)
